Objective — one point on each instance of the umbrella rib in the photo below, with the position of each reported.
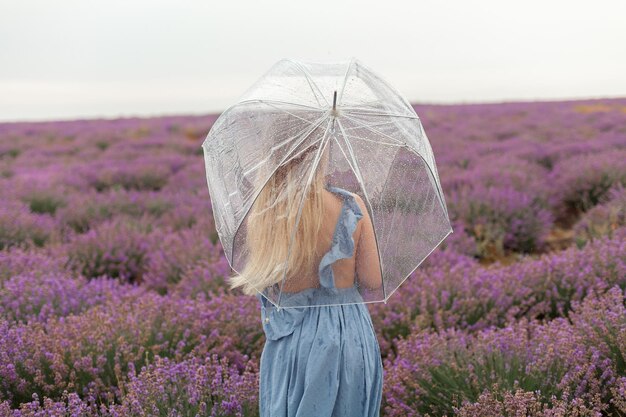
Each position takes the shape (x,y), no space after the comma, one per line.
(311,83)
(372,125)
(259,100)
(347,110)
(289,113)
(303,150)
(357,171)
(302,137)
(345,79)
(344,154)
(287,141)
(375,141)
(358,122)
(361,105)
(280,145)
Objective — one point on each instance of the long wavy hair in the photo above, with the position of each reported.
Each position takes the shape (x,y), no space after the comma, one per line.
(271,221)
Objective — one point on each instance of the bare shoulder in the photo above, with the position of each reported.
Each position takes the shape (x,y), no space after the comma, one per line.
(360,202)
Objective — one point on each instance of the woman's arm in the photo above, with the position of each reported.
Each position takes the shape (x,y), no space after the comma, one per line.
(368,273)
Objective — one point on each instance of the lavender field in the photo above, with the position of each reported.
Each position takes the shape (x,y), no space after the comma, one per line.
(113,299)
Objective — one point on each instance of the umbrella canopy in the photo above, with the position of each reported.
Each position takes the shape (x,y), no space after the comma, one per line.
(323,186)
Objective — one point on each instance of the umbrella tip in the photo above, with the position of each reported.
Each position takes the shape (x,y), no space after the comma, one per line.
(334,100)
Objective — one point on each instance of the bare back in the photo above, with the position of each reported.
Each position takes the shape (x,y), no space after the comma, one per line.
(345,270)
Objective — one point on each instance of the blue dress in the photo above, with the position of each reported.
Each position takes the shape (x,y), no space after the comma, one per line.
(325,360)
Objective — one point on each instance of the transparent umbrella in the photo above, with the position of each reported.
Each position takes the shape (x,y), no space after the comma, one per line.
(323,186)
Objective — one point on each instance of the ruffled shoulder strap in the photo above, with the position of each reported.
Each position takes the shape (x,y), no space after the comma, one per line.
(343,243)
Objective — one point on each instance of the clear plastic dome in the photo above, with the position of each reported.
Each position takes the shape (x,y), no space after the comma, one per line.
(340,131)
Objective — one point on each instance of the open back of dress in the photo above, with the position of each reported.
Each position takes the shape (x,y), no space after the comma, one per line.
(343,246)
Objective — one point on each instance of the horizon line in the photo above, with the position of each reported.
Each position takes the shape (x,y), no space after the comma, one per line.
(217,113)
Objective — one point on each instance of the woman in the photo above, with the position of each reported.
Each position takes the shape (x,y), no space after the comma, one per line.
(319,361)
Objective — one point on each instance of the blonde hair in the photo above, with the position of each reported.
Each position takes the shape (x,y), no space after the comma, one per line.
(272,219)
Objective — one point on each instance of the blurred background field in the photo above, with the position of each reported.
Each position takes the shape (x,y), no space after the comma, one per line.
(113,300)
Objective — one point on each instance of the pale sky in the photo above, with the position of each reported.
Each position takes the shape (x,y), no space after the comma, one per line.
(76,59)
